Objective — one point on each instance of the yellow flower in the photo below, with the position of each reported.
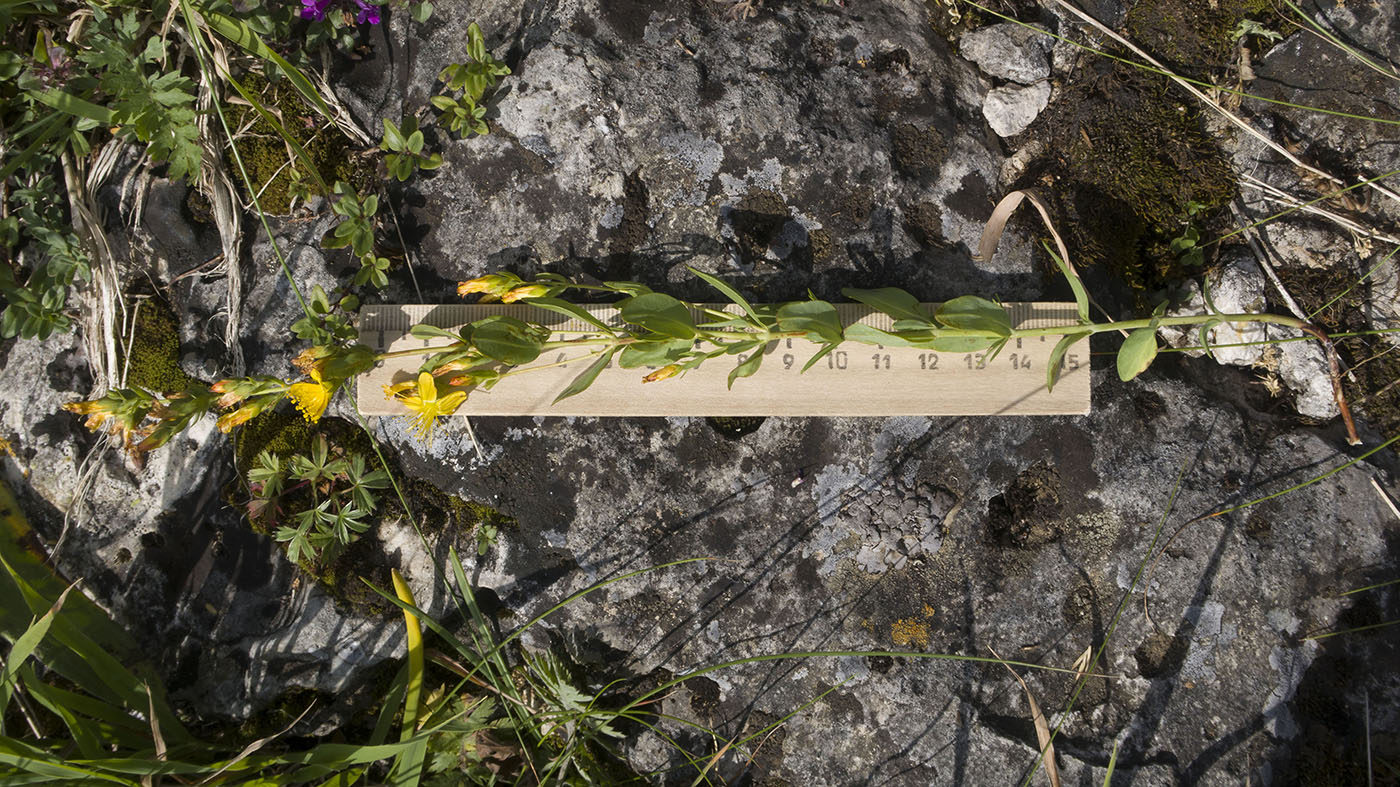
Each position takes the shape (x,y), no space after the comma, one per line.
(313,397)
(426,406)
(494,284)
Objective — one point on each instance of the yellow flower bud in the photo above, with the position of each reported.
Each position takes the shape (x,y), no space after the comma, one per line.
(664,373)
(526,292)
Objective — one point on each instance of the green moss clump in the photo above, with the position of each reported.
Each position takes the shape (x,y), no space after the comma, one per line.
(1194,36)
(1131,157)
(265,153)
(153,360)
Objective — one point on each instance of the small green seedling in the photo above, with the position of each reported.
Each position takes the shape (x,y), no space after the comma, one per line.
(406,145)
(464,114)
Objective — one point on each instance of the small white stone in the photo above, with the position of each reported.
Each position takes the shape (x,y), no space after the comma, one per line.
(1008,51)
(1011,109)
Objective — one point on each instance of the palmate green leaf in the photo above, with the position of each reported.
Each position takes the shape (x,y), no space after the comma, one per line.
(892,301)
(728,292)
(581,383)
(659,313)
(1057,354)
(971,313)
(508,340)
(818,319)
(1137,353)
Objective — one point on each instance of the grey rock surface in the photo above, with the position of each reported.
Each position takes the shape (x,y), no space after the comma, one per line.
(1011,109)
(800,149)
(808,147)
(1008,51)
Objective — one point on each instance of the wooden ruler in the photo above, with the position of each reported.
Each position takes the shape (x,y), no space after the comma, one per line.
(856,379)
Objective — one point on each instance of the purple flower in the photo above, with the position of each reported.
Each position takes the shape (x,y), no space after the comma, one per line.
(315,9)
(368,12)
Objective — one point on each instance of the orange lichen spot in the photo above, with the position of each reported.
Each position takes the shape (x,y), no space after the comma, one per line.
(929,611)
(909,632)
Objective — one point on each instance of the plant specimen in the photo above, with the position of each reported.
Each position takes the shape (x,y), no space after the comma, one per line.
(314,504)
(356,230)
(464,113)
(661,334)
(407,146)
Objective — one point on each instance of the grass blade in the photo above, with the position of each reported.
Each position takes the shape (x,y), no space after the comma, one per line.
(408,767)
(24,647)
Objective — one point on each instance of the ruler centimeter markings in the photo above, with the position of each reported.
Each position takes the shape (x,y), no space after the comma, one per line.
(855,379)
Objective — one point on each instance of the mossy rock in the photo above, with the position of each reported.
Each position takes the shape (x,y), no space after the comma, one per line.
(266,154)
(1131,158)
(153,360)
(1195,37)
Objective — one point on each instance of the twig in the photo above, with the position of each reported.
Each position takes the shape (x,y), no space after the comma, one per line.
(1278,195)
(1263,259)
(1334,366)
(1385,498)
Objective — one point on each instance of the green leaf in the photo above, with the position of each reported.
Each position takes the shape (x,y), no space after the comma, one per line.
(892,301)
(476,43)
(865,334)
(1081,295)
(1205,337)
(822,353)
(72,105)
(425,331)
(581,383)
(1137,353)
(507,339)
(971,313)
(961,344)
(571,310)
(1052,368)
(24,646)
(729,292)
(653,353)
(748,366)
(242,35)
(393,139)
(660,313)
(818,319)
(629,287)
